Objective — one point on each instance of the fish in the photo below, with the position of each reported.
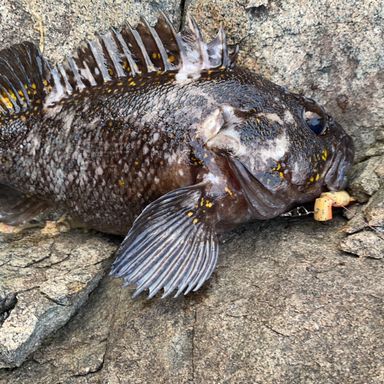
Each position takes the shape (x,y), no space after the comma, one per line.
(159,136)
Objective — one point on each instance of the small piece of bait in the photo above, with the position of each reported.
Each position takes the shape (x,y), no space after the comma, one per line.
(327,200)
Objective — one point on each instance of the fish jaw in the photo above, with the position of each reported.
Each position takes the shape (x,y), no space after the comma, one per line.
(336,177)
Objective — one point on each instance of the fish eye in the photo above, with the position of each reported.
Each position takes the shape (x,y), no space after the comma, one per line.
(314,117)
(315,122)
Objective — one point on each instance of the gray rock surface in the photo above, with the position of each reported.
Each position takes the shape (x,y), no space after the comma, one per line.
(365,243)
(366,225)
(43,281)
(286,304)
(367,177)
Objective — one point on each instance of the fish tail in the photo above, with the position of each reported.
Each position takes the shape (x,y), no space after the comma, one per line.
(23,80)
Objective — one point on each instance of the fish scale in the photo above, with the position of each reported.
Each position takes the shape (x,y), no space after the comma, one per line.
(158,136)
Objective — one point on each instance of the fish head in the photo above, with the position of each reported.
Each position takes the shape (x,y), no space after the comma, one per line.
(283,152)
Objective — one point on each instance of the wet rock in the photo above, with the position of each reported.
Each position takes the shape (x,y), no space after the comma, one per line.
(43,281)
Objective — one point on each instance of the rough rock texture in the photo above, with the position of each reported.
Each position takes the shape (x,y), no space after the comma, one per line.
(66,23)
(366,178)
(43,281)
(289,302)
(366,225)
(305,314)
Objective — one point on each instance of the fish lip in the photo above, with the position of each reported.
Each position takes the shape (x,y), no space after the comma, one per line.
(336,177)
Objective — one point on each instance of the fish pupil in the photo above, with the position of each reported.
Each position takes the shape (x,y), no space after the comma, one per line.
(314,122)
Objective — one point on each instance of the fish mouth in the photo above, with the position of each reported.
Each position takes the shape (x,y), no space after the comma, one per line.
(336,177)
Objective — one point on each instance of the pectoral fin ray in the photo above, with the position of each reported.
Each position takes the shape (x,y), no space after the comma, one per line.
(171,246)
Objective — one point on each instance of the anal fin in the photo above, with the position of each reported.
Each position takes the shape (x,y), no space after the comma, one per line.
(17,208)
(172,244)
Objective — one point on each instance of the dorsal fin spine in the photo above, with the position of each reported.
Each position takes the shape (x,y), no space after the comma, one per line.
(224,49)
(139,41)
(23,72)
(96,49)
(159,45)
(111,48)
(6,99)
(128,54)
(203,52)
(75,70)
(63,74)
(132,52)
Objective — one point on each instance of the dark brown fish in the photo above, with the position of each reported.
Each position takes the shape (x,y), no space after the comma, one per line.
(159,135)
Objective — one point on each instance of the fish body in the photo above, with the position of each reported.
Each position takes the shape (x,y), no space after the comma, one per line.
(159,136)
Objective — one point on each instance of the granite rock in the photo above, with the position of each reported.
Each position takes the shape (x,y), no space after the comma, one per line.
(365,243)
(43,281)
(285,304)
(366,178)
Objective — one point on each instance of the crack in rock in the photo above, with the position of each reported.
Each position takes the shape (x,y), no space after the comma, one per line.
(40,300)
(7,303)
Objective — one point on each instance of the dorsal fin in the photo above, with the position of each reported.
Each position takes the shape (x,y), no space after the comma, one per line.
(22,84)
(136,51)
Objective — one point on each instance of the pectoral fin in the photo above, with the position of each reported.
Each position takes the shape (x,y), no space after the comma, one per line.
(172,244)
(17,208)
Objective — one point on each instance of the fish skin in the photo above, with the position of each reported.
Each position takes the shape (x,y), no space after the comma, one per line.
(106,152)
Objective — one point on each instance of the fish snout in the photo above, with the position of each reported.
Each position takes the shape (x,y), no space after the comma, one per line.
(336,178)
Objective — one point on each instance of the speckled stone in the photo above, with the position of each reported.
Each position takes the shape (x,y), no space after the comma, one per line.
(365,244)
(366,178)
(43,281)
(285,304)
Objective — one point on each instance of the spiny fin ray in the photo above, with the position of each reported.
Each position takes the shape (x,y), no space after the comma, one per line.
(168,248)
(22,78)
(136,51)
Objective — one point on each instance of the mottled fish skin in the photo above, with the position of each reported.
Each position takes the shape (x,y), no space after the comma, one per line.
(233,147)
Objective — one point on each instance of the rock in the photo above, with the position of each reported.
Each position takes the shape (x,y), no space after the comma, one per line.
(365,243)
(367,185)
(368,218)
(43,281)
(60,27)
(366,178)
(356,223)
(374,210)
(303,313)
(285,304)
